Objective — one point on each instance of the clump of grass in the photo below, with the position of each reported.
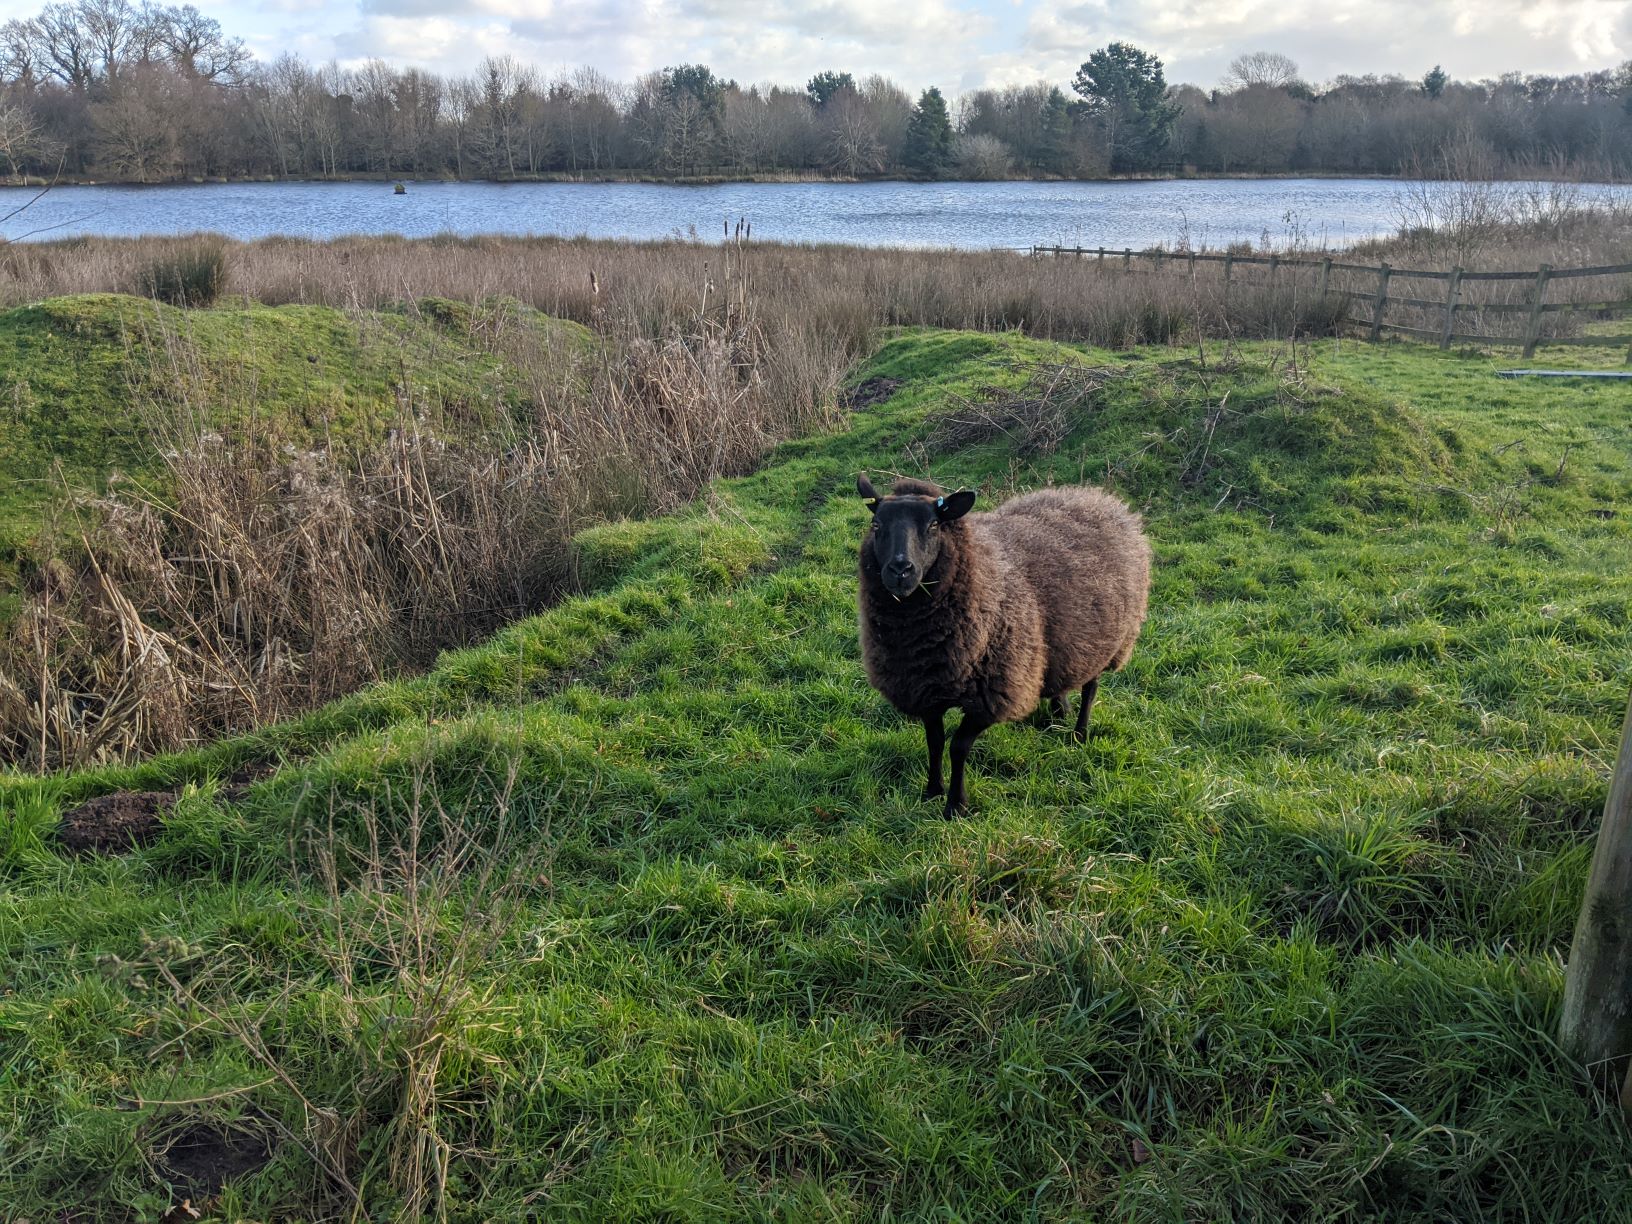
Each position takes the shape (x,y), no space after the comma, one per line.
(191,272)
(403,912)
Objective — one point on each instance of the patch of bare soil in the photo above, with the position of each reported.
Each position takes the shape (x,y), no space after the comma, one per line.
(866,394)
(201,1157)
(111,824)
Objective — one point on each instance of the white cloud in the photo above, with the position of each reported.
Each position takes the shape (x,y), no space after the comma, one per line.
(957,44)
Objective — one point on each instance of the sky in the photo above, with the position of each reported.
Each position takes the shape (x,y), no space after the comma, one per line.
(957,44)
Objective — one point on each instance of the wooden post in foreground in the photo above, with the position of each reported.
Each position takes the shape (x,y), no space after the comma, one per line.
(1383,273)
(1451,291)
(1538,302)
(1596,1022)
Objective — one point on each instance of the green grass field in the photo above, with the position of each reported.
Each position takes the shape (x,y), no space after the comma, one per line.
(633,913)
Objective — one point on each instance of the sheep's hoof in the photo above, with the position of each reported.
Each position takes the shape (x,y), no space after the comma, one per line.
(956,808)
(931,791)
(1079,737)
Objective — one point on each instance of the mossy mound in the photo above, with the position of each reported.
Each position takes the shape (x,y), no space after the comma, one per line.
(95,383)
(1173,433)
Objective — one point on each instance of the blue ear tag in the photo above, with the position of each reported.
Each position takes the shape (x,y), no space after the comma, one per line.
(940,503)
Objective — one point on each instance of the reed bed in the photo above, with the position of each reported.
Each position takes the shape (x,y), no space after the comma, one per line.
(803,296)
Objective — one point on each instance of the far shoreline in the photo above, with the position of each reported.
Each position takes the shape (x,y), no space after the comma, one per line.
(789,178)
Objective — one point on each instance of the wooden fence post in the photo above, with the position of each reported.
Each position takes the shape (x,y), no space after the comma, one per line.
(1274,263)
(1229,263)
(1532,332)
(1127,259)
(1101,263)
(1451,291)
(1595,1023)
(1325,275)
(1383,273)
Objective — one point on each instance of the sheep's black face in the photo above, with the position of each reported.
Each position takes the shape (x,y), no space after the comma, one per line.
(905,538)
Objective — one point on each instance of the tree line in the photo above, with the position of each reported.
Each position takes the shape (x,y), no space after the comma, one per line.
(152,93)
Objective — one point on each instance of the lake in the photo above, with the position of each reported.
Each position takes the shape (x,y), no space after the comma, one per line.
(1212,212)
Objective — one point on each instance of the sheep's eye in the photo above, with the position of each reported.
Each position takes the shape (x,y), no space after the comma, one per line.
(934,526)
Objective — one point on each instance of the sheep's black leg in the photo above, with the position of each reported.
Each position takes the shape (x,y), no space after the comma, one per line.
(1088,691)
(968,729)
(1061,710)
(935,741)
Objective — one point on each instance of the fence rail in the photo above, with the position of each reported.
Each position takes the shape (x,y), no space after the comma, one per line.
(1535,307)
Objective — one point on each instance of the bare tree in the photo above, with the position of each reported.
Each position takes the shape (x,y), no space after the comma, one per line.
(982,158)
(1269,68)
(20,131)
(892,110)
(594,121)
(196,45)
(20,53)
(65,45)
(374,108)
(851,144)
(136,126)
(112,28)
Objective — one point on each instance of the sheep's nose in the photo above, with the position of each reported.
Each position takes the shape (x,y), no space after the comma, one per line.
(899,568)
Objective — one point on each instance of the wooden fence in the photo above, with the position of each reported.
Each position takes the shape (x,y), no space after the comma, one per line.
(1534,309)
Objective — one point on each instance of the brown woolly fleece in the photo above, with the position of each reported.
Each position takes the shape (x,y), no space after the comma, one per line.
(1028,601)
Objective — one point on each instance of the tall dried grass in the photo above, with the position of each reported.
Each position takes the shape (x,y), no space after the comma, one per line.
(804,298)
(249,580)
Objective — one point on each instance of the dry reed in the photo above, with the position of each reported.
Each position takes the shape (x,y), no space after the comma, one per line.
(250,581)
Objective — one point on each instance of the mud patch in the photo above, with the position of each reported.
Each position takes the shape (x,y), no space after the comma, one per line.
(111,824)
(199,1158)
(866,394)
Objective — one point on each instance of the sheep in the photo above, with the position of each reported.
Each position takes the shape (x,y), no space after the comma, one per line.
(993,612)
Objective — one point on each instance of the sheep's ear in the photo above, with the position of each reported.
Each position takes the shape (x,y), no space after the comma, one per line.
(954,505)
(868,493)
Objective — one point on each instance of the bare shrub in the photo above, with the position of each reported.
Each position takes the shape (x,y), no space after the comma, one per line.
(1036,418)
(982,158)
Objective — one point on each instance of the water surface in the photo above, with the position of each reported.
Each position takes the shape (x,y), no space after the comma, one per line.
(1333,212)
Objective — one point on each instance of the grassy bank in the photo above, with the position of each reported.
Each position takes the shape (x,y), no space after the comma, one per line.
(633,911)
(100,384)
(217,516)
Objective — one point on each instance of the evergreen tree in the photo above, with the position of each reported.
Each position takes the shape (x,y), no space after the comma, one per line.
(1433,84)
(824,85)
(1056,136)
(928,149)
(1123,88)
